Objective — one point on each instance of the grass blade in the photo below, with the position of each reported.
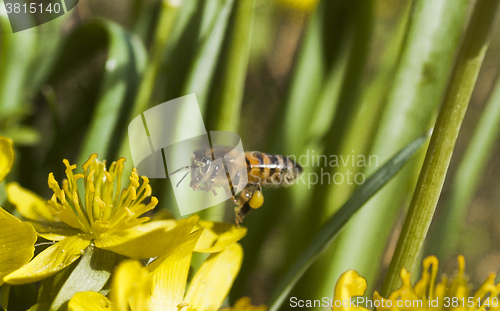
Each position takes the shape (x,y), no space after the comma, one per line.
(163,31)
(308,110)
(17,54)
(126,58)
(424,66)
(234,69)
(335,224)
(467,179)
(90,274)
(205,61)
(442,143)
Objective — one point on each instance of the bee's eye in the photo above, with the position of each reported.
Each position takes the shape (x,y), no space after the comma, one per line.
(207,161)
(204,168)
(205,164)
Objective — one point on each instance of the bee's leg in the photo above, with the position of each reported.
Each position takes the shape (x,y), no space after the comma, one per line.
(212,188)
(229,193)
(197,187)
(241,211)
(233,187)
(258,187)
(235,182)
(243,207)
(213,176)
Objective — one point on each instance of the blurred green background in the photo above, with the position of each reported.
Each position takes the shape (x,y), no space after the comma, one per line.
(291,77)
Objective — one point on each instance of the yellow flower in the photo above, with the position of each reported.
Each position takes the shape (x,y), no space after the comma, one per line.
(161,284)
(448,295)
(104,215)
(17,239)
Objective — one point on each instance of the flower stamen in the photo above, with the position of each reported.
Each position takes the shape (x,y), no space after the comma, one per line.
(107,208)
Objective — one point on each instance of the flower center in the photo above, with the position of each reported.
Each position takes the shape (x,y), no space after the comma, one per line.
(104,208)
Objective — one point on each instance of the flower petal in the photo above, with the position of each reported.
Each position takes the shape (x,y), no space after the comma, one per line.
(149,240)
(55,233)
(212,282)
(29,205)
(50,261)
(88,301)
(350,284)
(6,156)
(169,275)
(131,286)
(217,236)
(17,243)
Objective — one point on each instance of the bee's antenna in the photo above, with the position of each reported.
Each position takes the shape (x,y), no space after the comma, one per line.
(182,178)
(177,171)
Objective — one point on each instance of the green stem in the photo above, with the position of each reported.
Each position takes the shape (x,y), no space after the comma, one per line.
(442,143)
(168,12)
(234,73)
(337,222)
(467,179)
(424,66)
(169,9)
(229,98)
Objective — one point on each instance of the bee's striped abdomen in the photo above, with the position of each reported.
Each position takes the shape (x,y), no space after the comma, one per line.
(269,169)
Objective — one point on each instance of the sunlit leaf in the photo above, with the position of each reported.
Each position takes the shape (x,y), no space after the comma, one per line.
(17,243)
(169,275)
(212,282)
(88,301)
(149,240)
(131,283)
(90,274)
(217,236)
(50,261)
(29,204)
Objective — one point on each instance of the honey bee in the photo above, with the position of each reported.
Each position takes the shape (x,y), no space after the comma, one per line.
(261,170)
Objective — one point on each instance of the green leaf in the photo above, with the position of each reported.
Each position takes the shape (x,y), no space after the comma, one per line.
(17,52)
(207,54)
(115,87)
(338,221)
(168,14)
(468,178)
(424,67)
(4,296)
(42,306)
(91,274)
(442,144)
(123,69)
(229,92)
(51,286)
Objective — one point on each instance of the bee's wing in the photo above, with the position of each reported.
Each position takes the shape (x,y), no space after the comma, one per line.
(237,169)
(220,151)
